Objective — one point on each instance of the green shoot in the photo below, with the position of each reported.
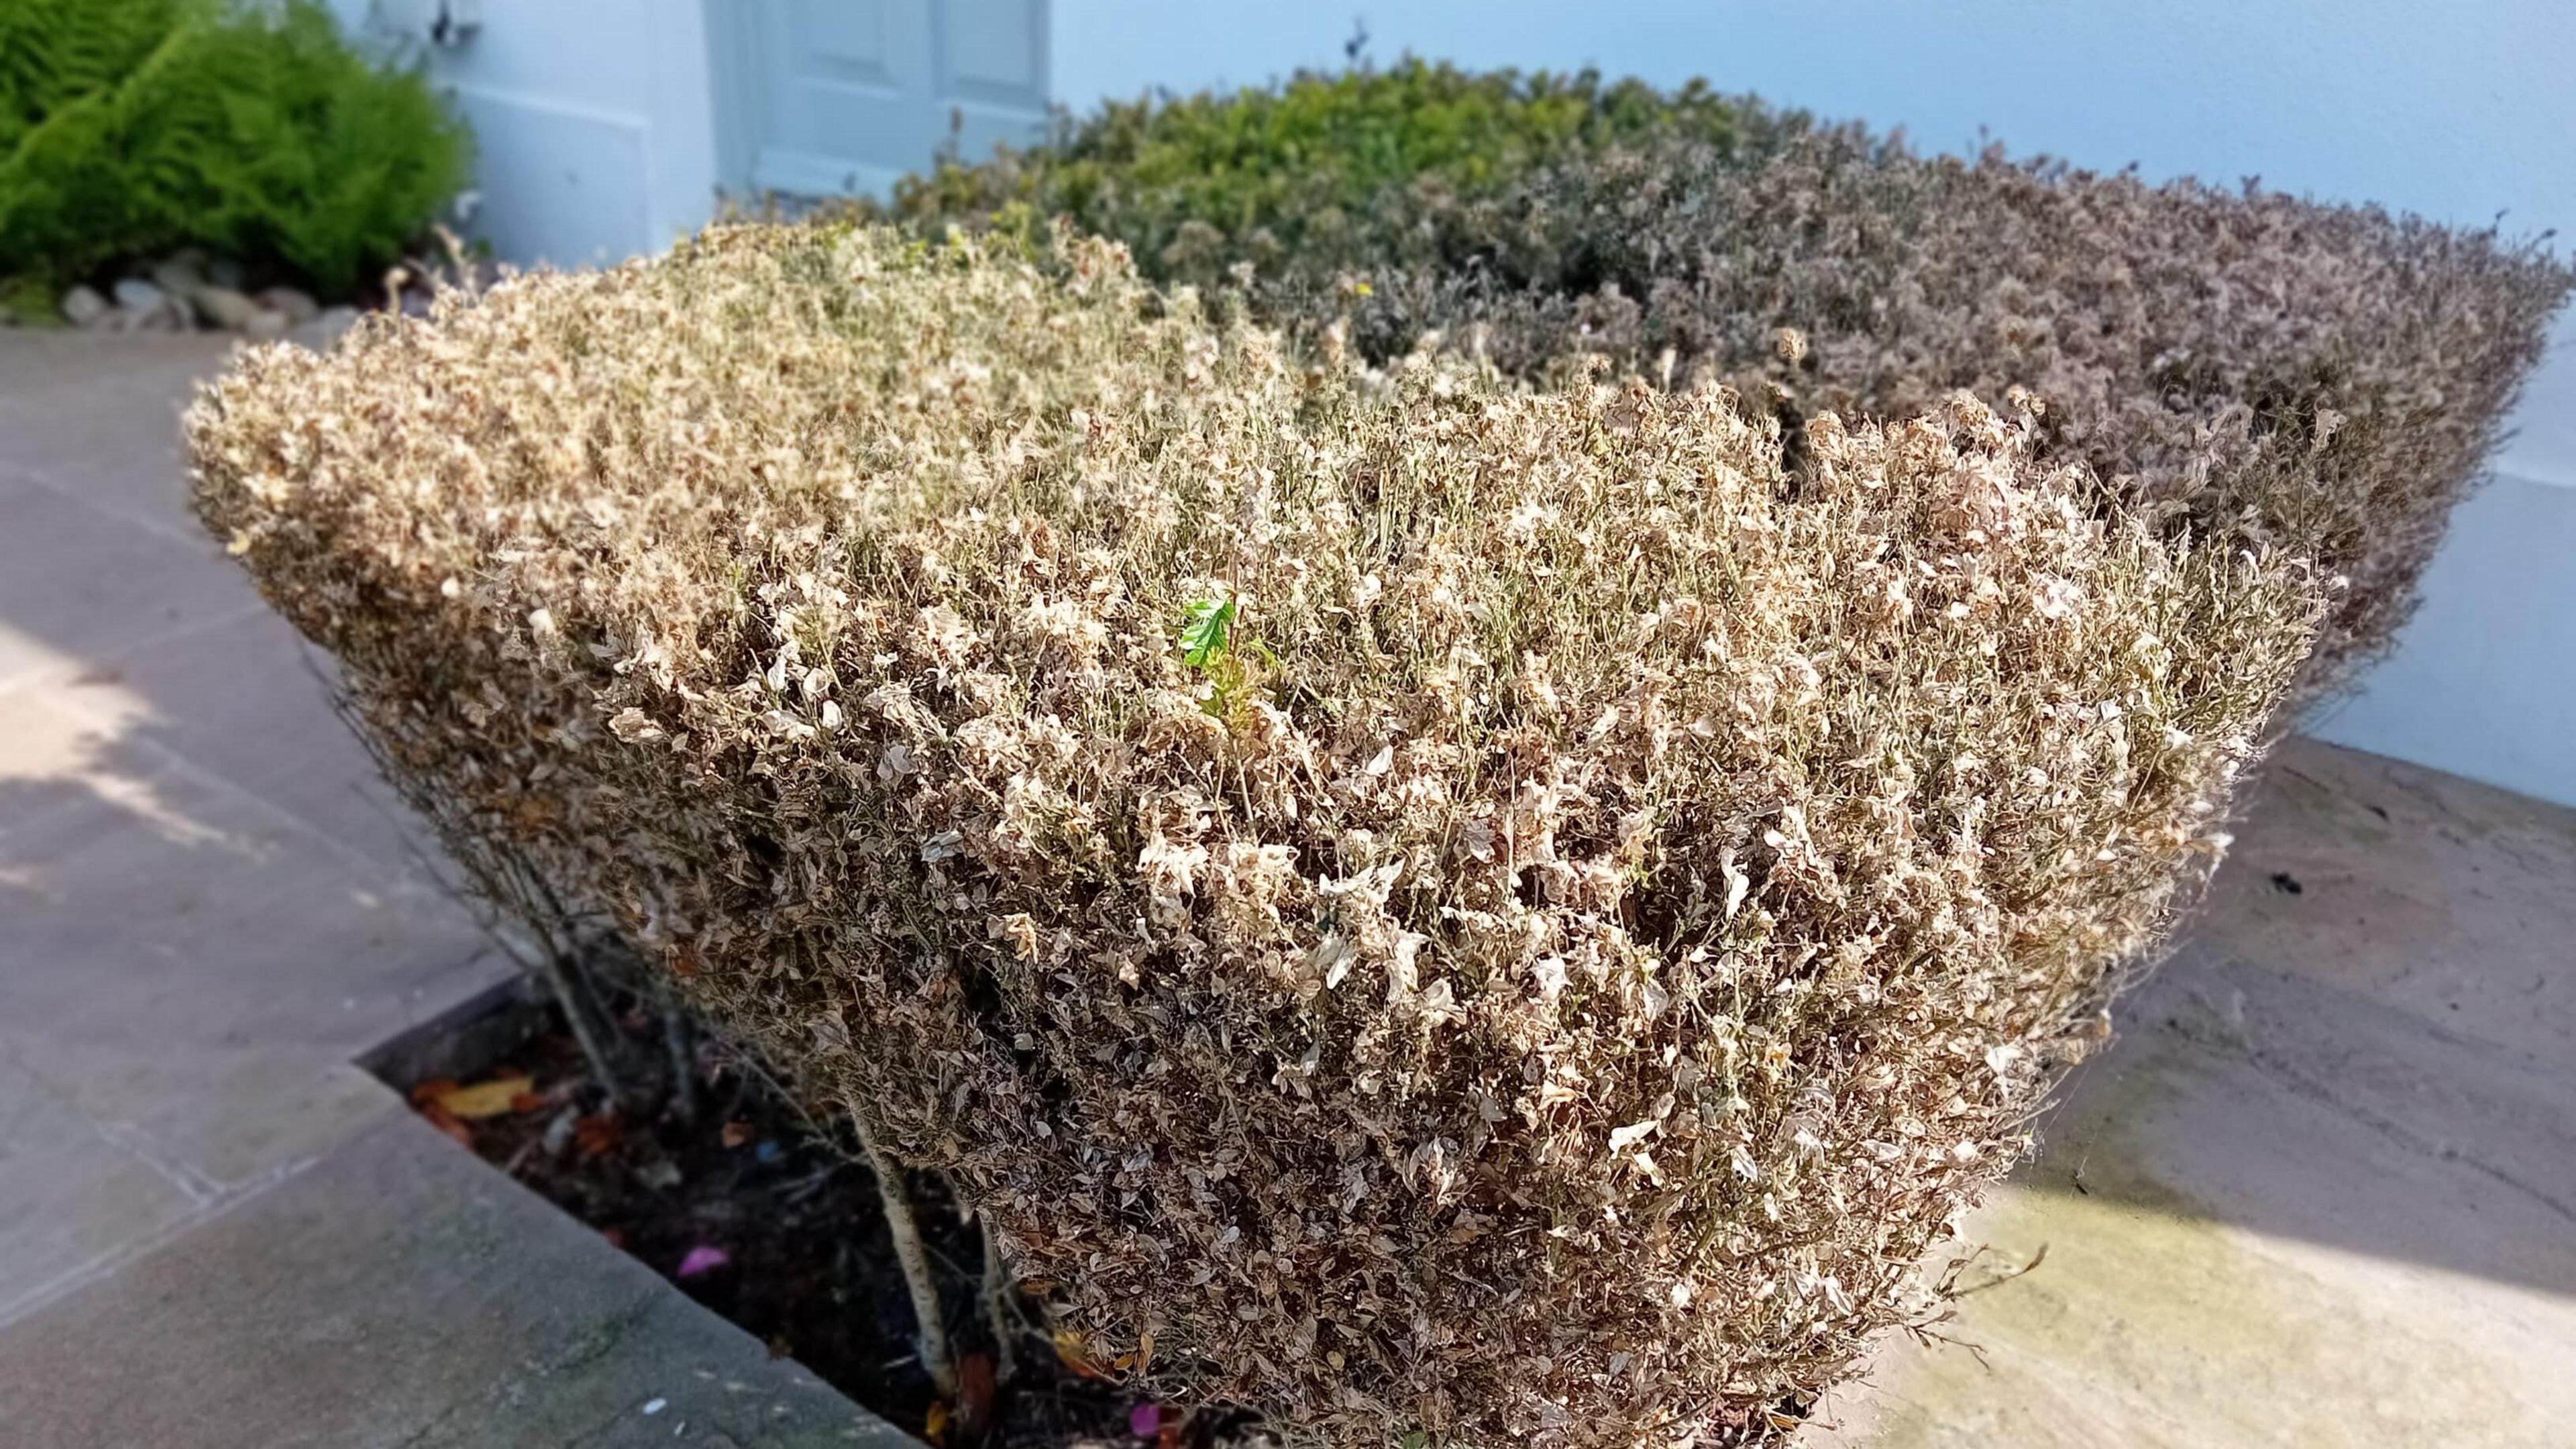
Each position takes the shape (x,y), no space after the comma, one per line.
(1207,628)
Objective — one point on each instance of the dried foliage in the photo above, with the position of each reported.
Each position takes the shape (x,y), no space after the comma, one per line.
(2328,379)
(1416,906)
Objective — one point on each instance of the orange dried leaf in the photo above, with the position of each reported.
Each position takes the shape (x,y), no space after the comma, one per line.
(1075,1354)
(447,1122)
(494,1098)
(977,1389)
(598,1134)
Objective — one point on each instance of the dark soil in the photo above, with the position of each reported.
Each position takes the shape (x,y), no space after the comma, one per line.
(807,1265)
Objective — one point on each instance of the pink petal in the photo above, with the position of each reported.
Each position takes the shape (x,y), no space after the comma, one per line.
(703,1259)
(1145,1420)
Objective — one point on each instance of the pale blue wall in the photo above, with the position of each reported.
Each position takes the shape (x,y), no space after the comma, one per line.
(2459,109)
(2484,683)
(593,119)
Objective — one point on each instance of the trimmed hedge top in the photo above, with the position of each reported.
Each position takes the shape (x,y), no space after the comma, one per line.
(2328,379)
(1415,905)
(1299,174)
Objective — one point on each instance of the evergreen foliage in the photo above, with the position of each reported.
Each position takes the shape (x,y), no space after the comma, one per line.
(129,128)
(1311,175)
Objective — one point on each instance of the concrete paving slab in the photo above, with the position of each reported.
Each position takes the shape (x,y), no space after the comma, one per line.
(72,1192)
(150,906)
(2437,895)
(98,418)
(81,584)
(400,1293)
(246,699)
(2322,1190)
(227,1117)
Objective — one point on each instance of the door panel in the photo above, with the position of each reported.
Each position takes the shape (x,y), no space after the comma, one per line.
(844,96)
(993,52)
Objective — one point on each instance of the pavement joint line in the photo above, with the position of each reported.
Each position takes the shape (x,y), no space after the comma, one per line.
(367,865)
(184,538)
(200,1190)
(104,1264)
(2234,1041)
(43,675)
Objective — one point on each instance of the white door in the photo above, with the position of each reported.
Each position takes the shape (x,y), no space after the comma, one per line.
(840,97)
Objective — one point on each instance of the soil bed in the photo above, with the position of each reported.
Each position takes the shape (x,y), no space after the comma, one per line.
(752,1208)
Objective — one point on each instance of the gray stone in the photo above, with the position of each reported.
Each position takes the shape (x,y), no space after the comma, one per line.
(143,306)
(167,315)
(225,308)
(297,304)
(181,274)
(225,272)
(84,307)
(137,295)
(333,323)
(266,326)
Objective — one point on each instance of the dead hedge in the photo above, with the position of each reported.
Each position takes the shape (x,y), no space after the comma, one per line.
(2325,379)
(1543,970)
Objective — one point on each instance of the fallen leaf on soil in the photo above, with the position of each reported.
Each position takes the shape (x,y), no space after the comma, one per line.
(934,1425)
(446,1121)
(495,1098)
(431,1090)
(738,1133)
(1070,1349)
(976,1390)
(598,1133)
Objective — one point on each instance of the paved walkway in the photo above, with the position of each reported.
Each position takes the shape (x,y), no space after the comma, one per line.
(214,1230)
(2322,1190)
(2321,1193)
